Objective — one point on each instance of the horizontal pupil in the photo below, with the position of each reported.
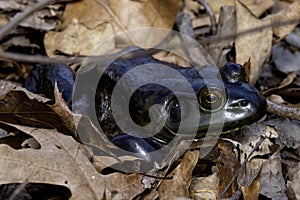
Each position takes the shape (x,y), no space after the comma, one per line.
(210,98)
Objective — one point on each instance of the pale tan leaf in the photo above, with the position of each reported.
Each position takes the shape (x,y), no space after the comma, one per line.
(78,39)
(292,12)
(272,181)
(294,180)
(256,46)
(251,179)
(205,187)
(71,167)
(178,186)
(256,7)
(125,15)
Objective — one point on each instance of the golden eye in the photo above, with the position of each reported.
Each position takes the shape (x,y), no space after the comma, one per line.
(211,99)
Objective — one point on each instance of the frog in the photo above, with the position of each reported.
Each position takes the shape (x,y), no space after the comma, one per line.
(222,92)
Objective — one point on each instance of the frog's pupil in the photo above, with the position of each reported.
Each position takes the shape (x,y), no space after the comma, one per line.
(210,98)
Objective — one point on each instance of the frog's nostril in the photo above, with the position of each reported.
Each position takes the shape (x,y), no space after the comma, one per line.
(244,103)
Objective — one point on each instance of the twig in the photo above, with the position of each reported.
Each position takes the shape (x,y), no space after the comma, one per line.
(216,39)
(283,111)
(103,59)
(211,16)
(242,167)
(14,22)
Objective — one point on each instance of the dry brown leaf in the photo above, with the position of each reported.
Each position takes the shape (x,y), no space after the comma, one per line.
(226,26)
(249,179)
(294,180)
(205,187)
(227,165)
(45,19)
(256,46)
(179,185)
(286,82)
(256,7)
(151,13)
(88,12)
(63,161)
(60,107)
(125,15)
(272,181)
(20,106)
(292,12)
(78,39)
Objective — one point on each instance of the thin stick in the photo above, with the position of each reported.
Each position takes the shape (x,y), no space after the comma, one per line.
(103,59)
(211,16)
(283,111)
(15,21)
(242,167)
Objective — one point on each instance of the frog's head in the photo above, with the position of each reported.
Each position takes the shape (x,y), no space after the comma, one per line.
(225,99)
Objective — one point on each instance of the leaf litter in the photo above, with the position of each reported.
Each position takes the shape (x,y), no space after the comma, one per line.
(62,161)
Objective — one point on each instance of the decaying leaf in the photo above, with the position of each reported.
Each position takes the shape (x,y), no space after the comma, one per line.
(247,46)
(71,168)
(78,39)
(294,181)
(45,19)
(292,12)
(227,165)
(20,106)
(272,182)
(256,7)
(250,179)
(226,26)
(205,187)
(178,186)
(288,132)
(121,15)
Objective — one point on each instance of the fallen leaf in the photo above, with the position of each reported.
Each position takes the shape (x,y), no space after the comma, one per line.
(249,179)
(227,165)
(121,15)
(71,168)
(294,180)
(45,19)
(178,186)
(160,14)
(256,7)
(226,26)
(292,12)
(88,12)
(20,106)
(272,182)
(256,46)
(288,132)
(205,187)
(78,39)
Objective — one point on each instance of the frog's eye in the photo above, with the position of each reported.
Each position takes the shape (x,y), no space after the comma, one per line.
(233,73)
(211,99)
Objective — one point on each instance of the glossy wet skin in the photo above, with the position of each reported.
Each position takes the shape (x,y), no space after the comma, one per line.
(232,101)
(226,95)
